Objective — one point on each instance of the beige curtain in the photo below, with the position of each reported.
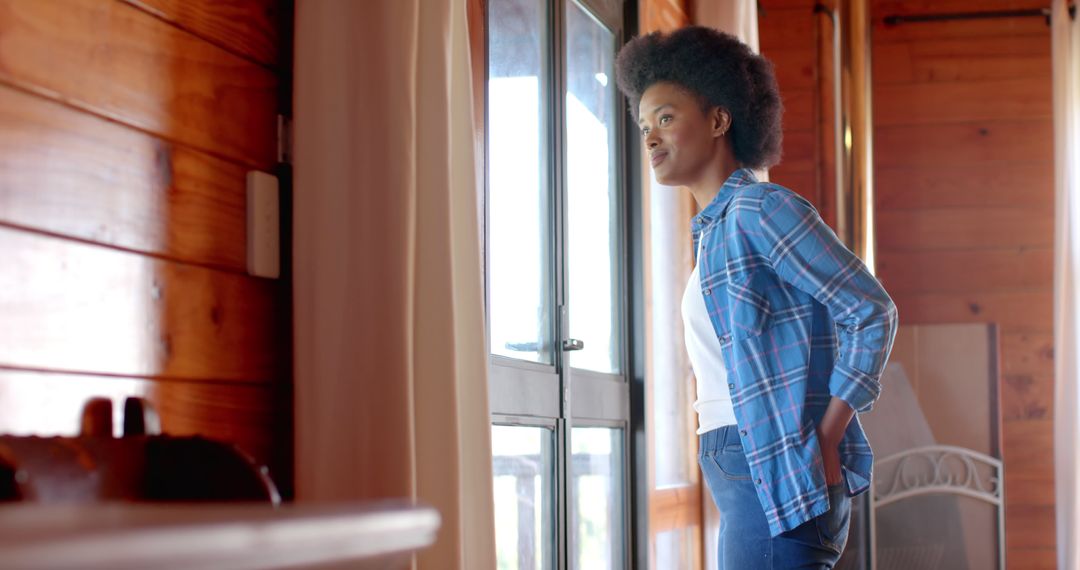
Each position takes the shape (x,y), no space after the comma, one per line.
(390,357)
(736,17)
(1066,54)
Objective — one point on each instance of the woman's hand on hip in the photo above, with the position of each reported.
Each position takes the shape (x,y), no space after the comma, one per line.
(830,459)
(830,431)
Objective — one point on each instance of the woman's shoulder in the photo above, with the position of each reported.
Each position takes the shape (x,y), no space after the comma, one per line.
(764,197)
(754,199)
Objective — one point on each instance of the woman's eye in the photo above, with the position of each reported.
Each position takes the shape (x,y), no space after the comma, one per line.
(645,131)
(665,119)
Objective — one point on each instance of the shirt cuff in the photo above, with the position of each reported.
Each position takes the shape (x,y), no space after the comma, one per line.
(859,389)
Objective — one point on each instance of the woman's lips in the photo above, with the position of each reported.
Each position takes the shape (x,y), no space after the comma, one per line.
(658,158)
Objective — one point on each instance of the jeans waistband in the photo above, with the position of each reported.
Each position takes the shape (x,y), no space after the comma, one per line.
(719,438)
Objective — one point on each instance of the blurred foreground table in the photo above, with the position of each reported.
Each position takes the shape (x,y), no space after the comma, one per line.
(119,536)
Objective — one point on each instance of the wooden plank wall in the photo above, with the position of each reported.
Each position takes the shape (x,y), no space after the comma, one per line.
(788,37)
(963,172)
(126,130)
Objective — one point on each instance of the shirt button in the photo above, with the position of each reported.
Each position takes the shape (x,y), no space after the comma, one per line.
(707,291)
(725,338)
(743,432)
(731,386)
(759,481)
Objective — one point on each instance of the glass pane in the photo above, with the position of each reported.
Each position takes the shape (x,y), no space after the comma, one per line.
(524,469)
(592,192)
(597,515)
(519,224)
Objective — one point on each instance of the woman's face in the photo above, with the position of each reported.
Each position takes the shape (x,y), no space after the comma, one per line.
(680,137)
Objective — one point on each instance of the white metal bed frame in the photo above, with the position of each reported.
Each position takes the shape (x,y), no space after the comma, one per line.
(938,469)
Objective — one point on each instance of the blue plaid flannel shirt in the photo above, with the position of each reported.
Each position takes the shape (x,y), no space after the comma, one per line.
(800,320)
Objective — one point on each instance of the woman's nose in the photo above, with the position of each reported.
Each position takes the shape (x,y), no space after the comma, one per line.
(651,140)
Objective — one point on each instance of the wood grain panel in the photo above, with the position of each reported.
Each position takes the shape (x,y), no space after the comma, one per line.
(788,38)
(798,153)
(1029,445)
(798,109)
(77,307)
(941,145)
(988,160)
(971,59)
(882,7)
(962,101)
(794,68)
(70,173)
(1016,311)
(120,62)
(954,29)
(1027,396)
(963,140)
(965,270)
(800,182)
(1028,378)
(997,184)
(1028,352)
(765,6)
(33,403)
(1033,558)
(786,28)
(966,229)
(1011,27)
(1030,526)
(1021,489)
(246,27)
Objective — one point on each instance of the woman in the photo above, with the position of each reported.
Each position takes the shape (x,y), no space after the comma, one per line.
(786,329)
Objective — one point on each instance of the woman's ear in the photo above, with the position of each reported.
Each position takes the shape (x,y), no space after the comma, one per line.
(721,121)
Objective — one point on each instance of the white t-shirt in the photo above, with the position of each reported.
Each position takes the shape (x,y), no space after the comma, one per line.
(713,405)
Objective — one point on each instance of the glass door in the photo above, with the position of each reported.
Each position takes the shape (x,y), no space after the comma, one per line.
(555,278)
(595,296)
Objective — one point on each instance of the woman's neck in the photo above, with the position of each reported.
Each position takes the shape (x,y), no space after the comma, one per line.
(708,185)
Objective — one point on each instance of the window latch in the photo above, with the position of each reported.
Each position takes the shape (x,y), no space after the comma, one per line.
(573,344)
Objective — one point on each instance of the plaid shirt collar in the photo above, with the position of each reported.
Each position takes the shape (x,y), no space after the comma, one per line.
(738,179)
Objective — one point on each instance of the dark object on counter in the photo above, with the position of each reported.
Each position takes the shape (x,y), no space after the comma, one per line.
(141,466)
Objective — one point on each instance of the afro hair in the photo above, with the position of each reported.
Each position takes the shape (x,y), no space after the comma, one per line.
(719,69)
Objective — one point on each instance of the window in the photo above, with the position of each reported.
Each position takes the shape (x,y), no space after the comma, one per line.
(556,283)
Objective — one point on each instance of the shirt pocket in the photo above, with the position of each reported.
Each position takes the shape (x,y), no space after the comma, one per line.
(751,311)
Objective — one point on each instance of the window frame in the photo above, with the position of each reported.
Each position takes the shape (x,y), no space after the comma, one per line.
(536,394)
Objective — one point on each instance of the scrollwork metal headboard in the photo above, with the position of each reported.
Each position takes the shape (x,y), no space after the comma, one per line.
(938,469)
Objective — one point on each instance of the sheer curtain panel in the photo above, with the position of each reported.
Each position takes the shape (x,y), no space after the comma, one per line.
(390,358)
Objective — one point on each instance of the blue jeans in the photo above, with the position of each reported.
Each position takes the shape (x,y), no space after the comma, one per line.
(745,542)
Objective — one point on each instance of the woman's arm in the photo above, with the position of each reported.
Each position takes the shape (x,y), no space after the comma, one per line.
(806,253)
(830,431)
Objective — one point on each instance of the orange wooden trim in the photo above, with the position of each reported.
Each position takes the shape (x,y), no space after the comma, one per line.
(673,508)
